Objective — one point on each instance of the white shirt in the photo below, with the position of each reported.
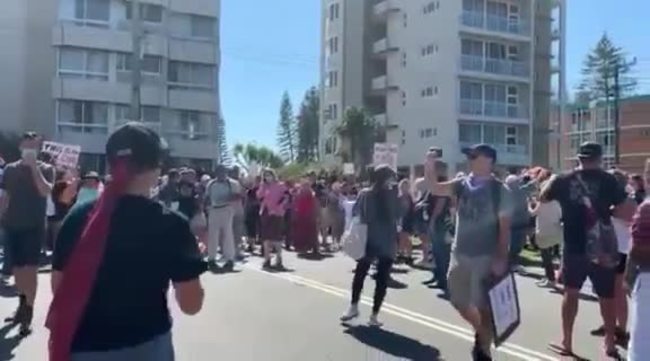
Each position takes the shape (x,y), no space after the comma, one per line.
(623,234)
(549,218)
(348,205)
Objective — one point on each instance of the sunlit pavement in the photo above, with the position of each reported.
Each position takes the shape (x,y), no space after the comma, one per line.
(255,315)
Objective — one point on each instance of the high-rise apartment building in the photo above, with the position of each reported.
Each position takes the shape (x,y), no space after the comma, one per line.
(444,73)
(84,79)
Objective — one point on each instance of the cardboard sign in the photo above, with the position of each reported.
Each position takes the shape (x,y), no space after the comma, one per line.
(385,154)
(63,155)
(348,169)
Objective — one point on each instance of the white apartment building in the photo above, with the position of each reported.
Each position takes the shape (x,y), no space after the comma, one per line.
(88,74)
(444,73)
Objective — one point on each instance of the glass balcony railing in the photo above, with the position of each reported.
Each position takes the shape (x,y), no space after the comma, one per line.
(479,107)
(494,66)
(476,19)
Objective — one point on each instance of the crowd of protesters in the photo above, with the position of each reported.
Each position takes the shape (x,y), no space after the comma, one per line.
(469,227)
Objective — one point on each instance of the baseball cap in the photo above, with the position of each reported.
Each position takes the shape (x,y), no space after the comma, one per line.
(590,150)
(91,175)
(142,146)
(483,149)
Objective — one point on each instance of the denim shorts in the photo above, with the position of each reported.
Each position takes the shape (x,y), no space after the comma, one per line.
(158,349)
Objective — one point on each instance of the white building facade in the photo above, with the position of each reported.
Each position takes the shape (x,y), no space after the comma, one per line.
(441,73)
(88,74)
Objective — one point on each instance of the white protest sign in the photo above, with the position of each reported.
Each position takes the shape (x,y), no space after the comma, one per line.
(385,154)
(348,168)
(253,169)
(63,155)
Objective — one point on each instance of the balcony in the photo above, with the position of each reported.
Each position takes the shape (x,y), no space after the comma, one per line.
(104,91)
(88,34)
(478,108)
(193,51)
(193,99)
(507,154)
(497,24)
(384,8)
(380,119)
(381,84)
(494,66)
(383,47)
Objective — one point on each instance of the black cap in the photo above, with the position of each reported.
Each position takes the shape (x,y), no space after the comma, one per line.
(590,150)
(137,143)
(483,149)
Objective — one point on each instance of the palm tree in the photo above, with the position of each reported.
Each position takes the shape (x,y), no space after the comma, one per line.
(246,155)
(358,133)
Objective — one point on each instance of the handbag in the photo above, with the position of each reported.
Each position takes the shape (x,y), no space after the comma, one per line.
(602,245)
(355,237)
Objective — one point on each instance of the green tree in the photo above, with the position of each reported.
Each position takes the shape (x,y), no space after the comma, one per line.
(246,155)
(287,130)
(308,126)
(358,132)
(222,145)
(600,67)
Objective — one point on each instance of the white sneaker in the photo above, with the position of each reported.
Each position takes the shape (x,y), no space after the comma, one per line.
(374,322)
(352,313)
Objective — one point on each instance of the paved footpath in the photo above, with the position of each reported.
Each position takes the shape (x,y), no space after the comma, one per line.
(255,315)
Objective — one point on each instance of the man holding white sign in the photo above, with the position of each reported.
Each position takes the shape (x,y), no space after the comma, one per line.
(63,155)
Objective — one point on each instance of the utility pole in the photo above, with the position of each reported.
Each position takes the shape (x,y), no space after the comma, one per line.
(136,60)
(618,67)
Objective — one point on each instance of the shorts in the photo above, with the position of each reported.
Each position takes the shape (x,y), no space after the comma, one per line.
(576,269)
(620,269)
(25,245)
(158,349)
(466,278)
(272,228)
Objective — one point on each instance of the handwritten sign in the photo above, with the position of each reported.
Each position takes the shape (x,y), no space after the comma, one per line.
(348,168)
(63,155)
(385,154)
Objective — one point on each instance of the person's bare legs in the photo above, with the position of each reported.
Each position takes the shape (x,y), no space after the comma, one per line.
(621,304)
(480,322)
(569,313)
(26,282)
(608,312)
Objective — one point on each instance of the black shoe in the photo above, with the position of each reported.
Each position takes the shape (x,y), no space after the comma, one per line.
(228,266)
(266,265)
(26,321)
(279,267)
(430,281)
(600,331)
(19,315)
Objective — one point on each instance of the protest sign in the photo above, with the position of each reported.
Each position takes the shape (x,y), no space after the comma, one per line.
(63,155)
(385,154)
(504,307)
(348,168)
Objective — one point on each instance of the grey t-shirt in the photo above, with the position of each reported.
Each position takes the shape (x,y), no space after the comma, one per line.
(477,229)
(27,206)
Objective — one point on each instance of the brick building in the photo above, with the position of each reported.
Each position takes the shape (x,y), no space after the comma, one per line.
(596,123)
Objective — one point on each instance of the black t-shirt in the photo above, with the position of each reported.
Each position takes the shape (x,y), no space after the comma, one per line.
(566,189)
(147,247)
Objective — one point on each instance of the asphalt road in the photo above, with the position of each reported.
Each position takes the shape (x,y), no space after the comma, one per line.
(255,315)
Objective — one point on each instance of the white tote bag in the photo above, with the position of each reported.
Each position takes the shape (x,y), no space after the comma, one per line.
(356,237)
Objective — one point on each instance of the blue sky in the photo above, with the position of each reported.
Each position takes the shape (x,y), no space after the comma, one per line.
(272,46)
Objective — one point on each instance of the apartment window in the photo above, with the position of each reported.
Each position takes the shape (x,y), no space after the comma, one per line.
(469,133)
(333,45)
(495,93)
(574,143)
(148,12)
(403,137)
(513,52)
(494,134)
(333,79)
(511,135)
(497,9)
(148,114)
(428,133)
(190,74)
(83,116)
(431,7)
(405,20)
(82,63)
(202,26)
(403,59)
(331,145)
(470,90)
(334,11)
(496,51)
(403,98)
(190,126)
(150,64)
(95,10)
(429,49)
(334,111)
(473,5)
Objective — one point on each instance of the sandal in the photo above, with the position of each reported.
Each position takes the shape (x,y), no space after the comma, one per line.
(559,349)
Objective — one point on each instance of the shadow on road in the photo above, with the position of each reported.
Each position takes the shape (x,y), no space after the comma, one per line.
(398,346)
(314,256)
(8,344)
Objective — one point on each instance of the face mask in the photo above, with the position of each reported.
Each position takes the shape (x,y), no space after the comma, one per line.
(28,153)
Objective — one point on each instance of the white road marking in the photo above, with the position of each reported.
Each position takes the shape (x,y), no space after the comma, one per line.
(427,321)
